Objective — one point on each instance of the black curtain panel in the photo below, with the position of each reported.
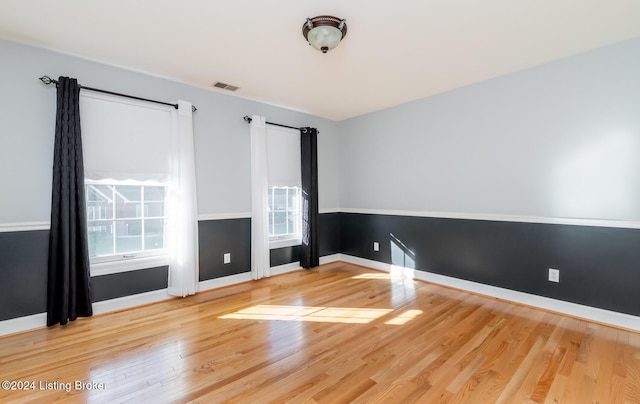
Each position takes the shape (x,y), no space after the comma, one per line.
(69,282)
(309,155)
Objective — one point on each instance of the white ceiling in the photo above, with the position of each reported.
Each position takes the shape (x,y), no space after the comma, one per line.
(394,51)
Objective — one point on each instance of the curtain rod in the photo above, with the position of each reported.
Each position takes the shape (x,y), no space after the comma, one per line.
(248,119)
(48,80)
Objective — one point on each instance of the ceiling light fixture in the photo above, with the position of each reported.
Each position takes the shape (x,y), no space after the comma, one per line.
(324,32)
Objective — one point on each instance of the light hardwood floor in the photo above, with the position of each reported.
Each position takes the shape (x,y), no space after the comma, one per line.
(340,333)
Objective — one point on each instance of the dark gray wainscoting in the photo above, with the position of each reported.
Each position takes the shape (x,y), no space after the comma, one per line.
(599,266)
(217,237)
(329,234)
(328,241)
(284,255)
(23,276)
(23,273)
(23,263)
(111,286)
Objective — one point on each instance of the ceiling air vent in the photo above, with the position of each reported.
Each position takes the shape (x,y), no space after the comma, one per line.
(224,86)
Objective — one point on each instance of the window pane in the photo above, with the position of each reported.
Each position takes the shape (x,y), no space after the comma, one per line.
(129,192)
(293,198)
(293,222)
(154,201)
(280,223)
(96,212)
(100,239)
(153,234)
(128,236)
(128,201)
(142,210)
(99,202)
(92,196)
(279,199)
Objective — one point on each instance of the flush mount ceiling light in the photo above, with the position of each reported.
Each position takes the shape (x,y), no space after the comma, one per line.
(324,32)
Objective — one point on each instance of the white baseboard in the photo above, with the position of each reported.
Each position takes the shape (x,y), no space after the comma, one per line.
(589,313)
(39,320)
(126,302)
(283,269)
(25,323)
(294,266)
(331,258)
(224,281)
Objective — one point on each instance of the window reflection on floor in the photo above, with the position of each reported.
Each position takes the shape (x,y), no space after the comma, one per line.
(140,371)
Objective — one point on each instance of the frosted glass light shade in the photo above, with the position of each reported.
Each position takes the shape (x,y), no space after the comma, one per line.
(324,32)
(324,38)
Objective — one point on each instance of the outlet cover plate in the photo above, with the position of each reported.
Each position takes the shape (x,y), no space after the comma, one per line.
(376,246)
(227,258)
(554,275)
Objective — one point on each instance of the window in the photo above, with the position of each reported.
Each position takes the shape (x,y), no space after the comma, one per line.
(284,212)
(127,164)
(125,220)
(284,192)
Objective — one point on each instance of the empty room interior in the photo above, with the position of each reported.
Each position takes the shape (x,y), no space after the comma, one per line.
(320,202)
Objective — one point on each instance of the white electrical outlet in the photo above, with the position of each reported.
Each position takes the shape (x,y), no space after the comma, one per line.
(227,258)
(376,246)
(554,275)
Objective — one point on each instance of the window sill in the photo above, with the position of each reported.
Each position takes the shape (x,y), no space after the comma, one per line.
(284,242)
(126,265)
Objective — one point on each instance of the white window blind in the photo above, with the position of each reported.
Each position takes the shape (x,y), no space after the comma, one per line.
(283,156)
(125,139)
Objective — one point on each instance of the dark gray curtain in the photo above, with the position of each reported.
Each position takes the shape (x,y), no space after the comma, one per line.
(309,155)
(69,282)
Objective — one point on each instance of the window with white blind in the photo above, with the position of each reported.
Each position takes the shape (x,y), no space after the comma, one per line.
(284,194)
(127,155)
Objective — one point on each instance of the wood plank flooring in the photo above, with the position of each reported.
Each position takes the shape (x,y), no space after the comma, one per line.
(337,334)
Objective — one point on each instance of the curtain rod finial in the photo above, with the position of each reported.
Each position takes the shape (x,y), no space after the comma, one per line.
(247,119)
(47,80)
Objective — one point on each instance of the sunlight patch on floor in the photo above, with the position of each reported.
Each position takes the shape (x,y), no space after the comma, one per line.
(404,317)
(307,313)
(372,276)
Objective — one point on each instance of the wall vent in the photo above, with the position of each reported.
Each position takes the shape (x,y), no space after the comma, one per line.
(224,86)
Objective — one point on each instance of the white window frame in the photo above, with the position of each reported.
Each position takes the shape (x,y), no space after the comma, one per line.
(125,262)
(291,239)
(282,152)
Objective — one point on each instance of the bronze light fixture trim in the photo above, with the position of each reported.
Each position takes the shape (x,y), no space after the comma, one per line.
(324,32)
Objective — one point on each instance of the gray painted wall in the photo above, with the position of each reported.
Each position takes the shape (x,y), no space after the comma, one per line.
(27,117)
(558,140)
